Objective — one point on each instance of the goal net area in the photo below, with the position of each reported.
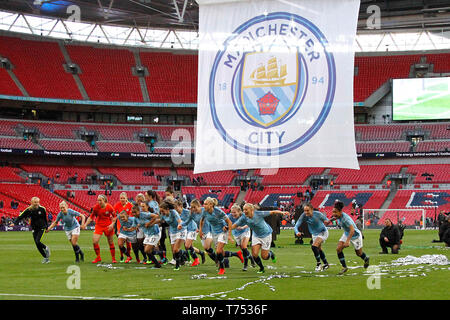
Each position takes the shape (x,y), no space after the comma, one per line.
(410,218)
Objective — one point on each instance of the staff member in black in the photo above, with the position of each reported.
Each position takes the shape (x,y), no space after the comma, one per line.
(39,224)
(390,237)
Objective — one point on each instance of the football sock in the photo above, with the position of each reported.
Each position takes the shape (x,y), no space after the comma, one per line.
(211,254)
(141,249)
(342,259)
(77,250)
(316,252)
(259,262)
(151,255)
(220,259)
(97,249)
(322,256)
(246,255)
(192,252)
(112,249)
(230,254)
(176,256)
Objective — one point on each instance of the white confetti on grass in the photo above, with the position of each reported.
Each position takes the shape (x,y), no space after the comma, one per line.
(108,266)
(429,259)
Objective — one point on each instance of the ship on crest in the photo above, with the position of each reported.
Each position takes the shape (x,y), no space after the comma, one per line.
(274,73)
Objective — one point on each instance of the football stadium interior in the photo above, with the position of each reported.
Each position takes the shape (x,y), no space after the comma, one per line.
(103,99)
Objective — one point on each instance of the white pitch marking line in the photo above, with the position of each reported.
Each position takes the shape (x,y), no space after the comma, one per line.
(64,297)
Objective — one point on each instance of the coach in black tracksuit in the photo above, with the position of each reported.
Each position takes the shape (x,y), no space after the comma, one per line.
(38,223)
(390,237)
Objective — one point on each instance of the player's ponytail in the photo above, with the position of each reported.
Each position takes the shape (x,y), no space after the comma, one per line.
(155,196)
(213,201)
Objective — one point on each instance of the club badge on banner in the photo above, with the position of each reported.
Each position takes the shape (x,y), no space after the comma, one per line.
(275,84)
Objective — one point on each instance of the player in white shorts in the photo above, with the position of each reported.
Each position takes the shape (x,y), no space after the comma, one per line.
(221,231)
(206,238)
(241,235)
(127,234)
(316,225)
(351,235)
(262,232)
(71,227)
(177,233)
(191,234)
(148,223)
(140,198)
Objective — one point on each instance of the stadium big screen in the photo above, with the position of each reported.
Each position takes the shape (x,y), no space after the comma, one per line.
(421,99)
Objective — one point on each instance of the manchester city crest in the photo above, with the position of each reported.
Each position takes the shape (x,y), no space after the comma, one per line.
(275,79)
(269,87)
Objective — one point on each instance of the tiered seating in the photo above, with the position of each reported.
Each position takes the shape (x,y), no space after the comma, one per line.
(136,175)
(167,131)
(225,195)
(106,73)
(173,77)
(39,67)
(407,218)
(107,76)
(18,143)
(270,195)
(54,130)
(402,146)
(429,146)
(9,174)
(374,71)
(114,132)
(287,176)
(410,199)
(437,130)
(64,130)
(366,175)
(7,85)
(24,193)
(391,132)
(64,172)
(217,178)
(138,147)
(66,145)
(441,173)
(379,132)
(441,62)
(324,200)
(7,210)
(421,199)
(7,128)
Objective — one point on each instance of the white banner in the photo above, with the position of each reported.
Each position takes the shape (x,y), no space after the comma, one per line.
(275,84)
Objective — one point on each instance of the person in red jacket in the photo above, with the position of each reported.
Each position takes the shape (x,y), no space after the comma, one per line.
(105,219)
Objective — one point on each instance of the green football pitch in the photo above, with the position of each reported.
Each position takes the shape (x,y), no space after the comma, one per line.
(430,102)
(292,277)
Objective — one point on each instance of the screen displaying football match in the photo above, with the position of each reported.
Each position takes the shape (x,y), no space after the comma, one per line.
(421,99)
